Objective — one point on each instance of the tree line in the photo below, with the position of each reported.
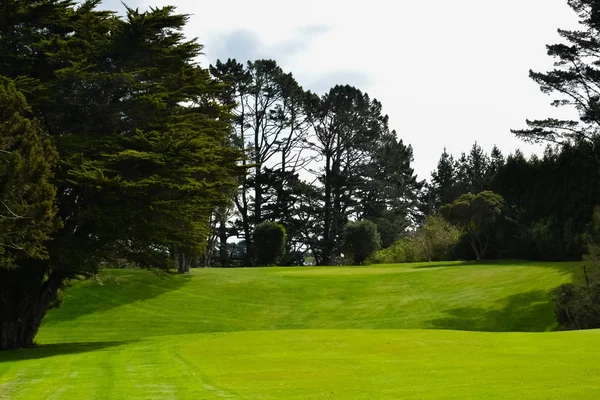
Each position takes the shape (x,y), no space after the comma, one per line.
(118,147)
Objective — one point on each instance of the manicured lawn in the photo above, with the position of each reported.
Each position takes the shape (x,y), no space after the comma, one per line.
(380,332)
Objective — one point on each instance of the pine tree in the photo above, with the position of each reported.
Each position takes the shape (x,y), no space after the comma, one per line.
(444,181)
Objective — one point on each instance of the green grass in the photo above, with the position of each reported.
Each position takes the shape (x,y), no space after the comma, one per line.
(380,332)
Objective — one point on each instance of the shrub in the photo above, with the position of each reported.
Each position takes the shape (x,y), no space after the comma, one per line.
(577,306)
(360,240)
(434,241)
(269,242)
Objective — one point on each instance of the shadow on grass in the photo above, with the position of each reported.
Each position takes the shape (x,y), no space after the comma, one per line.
(446,264)
(59,349)
(122,287)
(524,312)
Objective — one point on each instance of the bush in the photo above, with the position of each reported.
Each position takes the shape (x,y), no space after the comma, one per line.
(577,306)
(269,242)
(360,240)
(434,241)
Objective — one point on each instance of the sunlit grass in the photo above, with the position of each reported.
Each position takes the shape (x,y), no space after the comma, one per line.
(278,333)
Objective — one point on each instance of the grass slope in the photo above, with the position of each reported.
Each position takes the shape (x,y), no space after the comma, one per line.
(310,333)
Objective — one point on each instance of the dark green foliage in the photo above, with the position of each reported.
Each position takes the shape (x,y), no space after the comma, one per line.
(443,181)
(549,240)
(360,240)
(270,240)
(27,220)
(27,158)
(141,137)
(366,169)
(551,196)
(578,304)
(480,217)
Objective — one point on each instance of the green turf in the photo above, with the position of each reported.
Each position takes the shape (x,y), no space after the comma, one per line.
(304,333)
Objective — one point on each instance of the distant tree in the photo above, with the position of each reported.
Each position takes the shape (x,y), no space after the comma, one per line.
(269,238)
(387,193)
(479,217)
(270,127)
(575,81)
(360,240)
(443,181)
(496,162)
(351,132)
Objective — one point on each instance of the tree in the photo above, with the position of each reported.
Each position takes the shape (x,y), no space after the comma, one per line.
(575,81)
(360,240)
(387,192)
(347,125)
(141,137)
(269,126)
(443,181)
(27,218)
(269,238)
(479,217)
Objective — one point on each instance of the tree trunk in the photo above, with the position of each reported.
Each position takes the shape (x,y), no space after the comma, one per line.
(25,297)
(183,263)
(223,251)
(327,249)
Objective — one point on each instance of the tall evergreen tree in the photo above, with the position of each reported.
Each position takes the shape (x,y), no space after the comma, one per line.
(270,125)
(348,125)
(443,181)
(27,218)
(140,134)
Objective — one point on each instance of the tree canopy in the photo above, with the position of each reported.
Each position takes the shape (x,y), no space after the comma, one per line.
(141,138)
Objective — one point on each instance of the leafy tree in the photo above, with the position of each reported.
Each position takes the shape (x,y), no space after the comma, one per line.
(269,238)
(360,240)
(575,81)
(348,126)
(269,128)
(141,137)
(27,218)
(479,217)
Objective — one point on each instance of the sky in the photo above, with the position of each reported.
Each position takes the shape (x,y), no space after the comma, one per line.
(448,73)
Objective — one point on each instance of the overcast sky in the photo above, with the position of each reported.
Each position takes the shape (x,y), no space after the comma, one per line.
(448,73)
